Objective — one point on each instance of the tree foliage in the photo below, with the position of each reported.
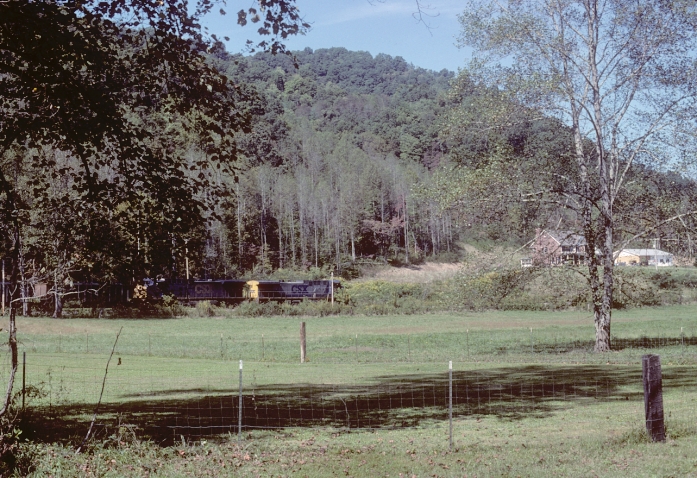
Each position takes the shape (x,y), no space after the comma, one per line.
(619,75)
(117,103)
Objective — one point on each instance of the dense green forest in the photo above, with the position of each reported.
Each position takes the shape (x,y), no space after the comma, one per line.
(348,159)
(327,173)
(353,157)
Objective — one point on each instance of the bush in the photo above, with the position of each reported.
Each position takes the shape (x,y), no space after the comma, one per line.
(380,292)
(204,308)
(313,308)
(490,289)
(310,308)
(380,297)
(256,309)
(448,257)
(556,288)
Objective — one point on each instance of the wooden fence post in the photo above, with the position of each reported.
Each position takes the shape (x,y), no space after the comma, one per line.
(303,348)
(653,396)
(24,377)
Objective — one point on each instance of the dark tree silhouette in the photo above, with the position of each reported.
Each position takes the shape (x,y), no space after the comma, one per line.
(106,81)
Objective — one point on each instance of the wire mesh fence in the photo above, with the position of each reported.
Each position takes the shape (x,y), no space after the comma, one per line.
(505,346)
(167,400)
(165,386)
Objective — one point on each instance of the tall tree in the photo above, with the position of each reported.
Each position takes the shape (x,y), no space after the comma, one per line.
(86,77)
(619,73)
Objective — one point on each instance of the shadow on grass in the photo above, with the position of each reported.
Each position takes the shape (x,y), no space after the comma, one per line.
(391,402)
(618,343)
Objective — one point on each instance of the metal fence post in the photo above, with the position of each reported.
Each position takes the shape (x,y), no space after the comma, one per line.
(239,407)
(450,401)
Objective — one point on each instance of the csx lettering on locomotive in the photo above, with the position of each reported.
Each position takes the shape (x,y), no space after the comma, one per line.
(232,291)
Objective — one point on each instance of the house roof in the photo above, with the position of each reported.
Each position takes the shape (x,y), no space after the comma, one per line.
(566,238)
(641,252)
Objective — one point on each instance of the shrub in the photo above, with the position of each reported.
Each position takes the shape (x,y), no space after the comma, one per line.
(313,308)
(563,287)
(204,308)
(448,257)
(489,289)
(256,309)
(380,297)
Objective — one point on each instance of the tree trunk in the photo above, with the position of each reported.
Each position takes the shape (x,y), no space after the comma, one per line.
(292,236)
(353,246)
(406,232)
(23,285)
(58,299)
(605,177)
(316,244)
(239,228)
(601,301)
(281,248)
(337,247)
(603,316)
(58,308)
(14,293)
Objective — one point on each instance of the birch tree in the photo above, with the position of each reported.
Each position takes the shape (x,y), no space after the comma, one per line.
(619,74)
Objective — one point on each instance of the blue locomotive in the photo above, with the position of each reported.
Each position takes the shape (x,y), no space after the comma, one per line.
(235,291)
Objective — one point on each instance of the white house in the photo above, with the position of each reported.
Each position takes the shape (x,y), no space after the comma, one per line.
(644,257)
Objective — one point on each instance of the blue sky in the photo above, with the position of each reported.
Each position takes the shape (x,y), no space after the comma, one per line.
(380,26)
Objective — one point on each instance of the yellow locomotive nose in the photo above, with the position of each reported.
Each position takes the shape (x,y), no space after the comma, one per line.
(253,289)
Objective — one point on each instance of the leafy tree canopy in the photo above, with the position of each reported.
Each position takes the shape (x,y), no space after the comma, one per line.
(124,89)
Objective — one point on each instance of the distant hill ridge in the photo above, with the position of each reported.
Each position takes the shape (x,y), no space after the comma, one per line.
(357,71)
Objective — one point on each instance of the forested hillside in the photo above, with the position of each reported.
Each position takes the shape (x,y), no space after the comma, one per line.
(327,173)
(348,159)
(357,157)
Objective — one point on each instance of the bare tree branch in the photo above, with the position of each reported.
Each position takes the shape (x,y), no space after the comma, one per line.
(99,402)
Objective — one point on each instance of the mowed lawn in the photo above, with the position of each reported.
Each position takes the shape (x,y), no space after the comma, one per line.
(531,398)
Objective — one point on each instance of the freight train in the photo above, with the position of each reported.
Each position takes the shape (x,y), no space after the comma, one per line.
(235,291)
(230,291)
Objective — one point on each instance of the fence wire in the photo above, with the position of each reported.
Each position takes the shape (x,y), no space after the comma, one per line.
(166,400)
(505,346)
(167,388)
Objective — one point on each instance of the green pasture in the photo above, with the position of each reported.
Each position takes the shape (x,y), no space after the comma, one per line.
(580,441)
(497,336)
(527,402)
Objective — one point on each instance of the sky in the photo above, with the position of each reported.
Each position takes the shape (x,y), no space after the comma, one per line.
(376,26)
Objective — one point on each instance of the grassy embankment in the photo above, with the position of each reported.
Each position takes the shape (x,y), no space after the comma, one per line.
(510,433)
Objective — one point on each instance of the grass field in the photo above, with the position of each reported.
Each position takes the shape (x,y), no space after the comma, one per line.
(487,336)
(530,397)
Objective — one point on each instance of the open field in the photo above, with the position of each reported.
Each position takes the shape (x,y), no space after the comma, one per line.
(371,401)
(499,336)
